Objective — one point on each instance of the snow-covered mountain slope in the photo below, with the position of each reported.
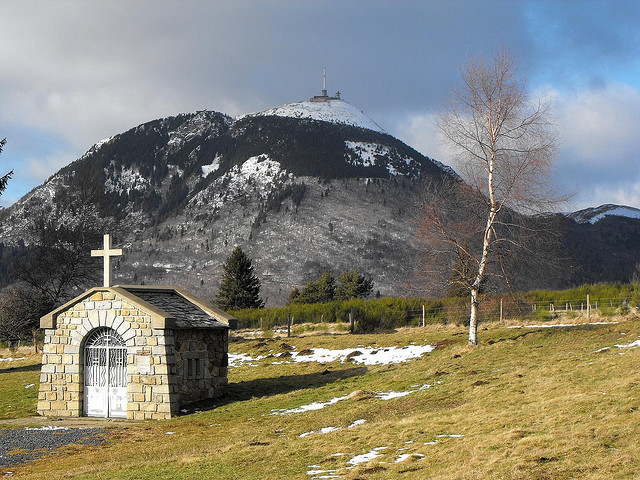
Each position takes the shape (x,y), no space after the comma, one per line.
(332,110)
(595,214)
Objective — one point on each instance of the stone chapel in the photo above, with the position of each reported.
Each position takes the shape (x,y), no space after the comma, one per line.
(137,352)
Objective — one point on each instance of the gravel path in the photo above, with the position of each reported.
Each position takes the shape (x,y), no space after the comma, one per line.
(30,443)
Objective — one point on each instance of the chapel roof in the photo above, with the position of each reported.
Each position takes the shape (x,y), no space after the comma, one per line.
(187,313)
(169,307)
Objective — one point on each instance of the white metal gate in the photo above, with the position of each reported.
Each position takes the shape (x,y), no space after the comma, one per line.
(105,374)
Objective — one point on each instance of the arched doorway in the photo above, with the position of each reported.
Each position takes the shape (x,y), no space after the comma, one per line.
(105,374)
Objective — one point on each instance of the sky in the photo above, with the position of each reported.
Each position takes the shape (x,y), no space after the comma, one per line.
(75,72)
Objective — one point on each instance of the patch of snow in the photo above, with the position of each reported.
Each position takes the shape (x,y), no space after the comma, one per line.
(406,456)
(125,181)
(357,422)
(169,433)
(238,359)
(368,355)
(175,142)
(556,325)
(333,111)
(366,457)
(328,429)
(9,359)
(450,436)
(602,349)
(30,385)
(258,174)
(318,473)
(391,394)
(46,428)
(102,142)
(633,344)
(309,407)
(215,165)
(367,152)
(321,431)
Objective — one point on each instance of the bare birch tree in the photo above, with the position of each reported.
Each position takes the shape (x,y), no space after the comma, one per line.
(505,145)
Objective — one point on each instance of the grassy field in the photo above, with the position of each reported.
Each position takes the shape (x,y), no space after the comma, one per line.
(18,383)
(528,403)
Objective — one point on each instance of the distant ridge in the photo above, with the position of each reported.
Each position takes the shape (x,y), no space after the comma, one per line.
(595,214)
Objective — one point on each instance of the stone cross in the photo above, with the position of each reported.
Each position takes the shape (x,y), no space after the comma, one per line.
(107,253)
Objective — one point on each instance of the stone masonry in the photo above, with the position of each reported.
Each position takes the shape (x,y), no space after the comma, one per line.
(171,359)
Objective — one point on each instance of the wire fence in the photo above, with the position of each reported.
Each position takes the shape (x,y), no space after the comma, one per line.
(367,317)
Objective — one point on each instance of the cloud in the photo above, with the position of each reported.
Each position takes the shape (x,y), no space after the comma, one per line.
(598,158)
(585,43)
(419,131)
(600,140)
(87,70)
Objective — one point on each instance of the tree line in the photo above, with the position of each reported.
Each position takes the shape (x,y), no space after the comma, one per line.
(240,286)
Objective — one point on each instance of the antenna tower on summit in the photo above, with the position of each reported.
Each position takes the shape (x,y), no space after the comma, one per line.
(324,82)
(324,97)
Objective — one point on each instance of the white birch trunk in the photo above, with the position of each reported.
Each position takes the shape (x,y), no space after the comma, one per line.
(473,318)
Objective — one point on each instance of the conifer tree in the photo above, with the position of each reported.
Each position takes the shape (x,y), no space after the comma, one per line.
(353,285)
(5,178)
(240,287)
(320,291)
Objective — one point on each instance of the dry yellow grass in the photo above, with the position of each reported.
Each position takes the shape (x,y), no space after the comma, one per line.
(528,403)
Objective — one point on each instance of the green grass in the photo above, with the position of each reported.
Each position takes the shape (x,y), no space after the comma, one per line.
(530,403)
(16,401)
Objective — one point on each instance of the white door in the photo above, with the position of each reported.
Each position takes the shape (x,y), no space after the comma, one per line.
(105,374)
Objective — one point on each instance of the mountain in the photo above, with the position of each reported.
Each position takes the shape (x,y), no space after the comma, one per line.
(604,243)
(302,188)
(595,214)
(305,187)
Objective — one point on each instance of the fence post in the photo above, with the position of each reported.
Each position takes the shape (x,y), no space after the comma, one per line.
(500,310)
(289,325)
(588,307)
(424,316)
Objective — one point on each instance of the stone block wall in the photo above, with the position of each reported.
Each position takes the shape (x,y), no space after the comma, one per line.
(151,386)
(201,364)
